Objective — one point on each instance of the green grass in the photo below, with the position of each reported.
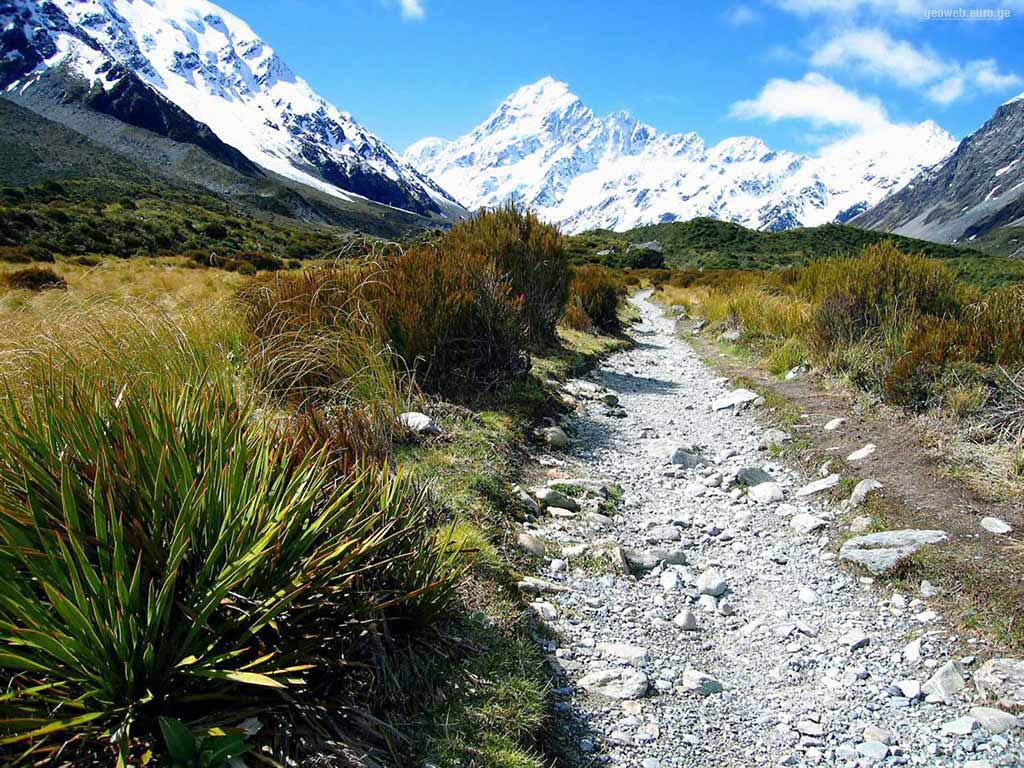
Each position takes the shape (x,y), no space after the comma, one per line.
(125,219)
(704,243)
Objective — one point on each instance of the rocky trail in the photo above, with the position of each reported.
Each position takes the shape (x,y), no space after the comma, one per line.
(706,620)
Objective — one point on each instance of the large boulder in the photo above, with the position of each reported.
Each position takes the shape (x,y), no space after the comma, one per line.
(882,552)
(1002,681)
(620,683)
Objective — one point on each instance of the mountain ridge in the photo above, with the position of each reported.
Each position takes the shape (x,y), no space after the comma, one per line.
(975,190)
(197,58)
(543,148)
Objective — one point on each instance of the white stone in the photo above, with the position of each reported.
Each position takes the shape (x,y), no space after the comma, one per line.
(995,720)
(881,552)
(912,651)
(996,526)
(620,683)
(685,620)
(805,523)
(700,683)
(863,453)
(945,683)
(834,424)
(1001,680)
(766,493)
(819,485)
(634,654)
(962,726)
(711,583)
(419,423)
(736,398)
(861,492)
(807,595)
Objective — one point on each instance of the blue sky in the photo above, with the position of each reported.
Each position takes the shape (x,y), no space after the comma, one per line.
(797,73)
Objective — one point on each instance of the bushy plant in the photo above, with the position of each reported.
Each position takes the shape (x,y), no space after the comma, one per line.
(162,557)
(24,254)
(34,279)
(595,295)
(530,254)
(454,318)
(994,327)
(884,286)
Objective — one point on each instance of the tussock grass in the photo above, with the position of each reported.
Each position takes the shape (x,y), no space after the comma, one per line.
(595,298)
(901,326)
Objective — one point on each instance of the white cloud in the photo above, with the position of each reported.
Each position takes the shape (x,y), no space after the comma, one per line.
(740,15)
(889,8)
(983,74)
(875,52)
(413,9)
(816,99)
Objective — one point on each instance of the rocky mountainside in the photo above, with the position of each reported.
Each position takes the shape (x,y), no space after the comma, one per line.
(545,149)
(976,189)
(192,72)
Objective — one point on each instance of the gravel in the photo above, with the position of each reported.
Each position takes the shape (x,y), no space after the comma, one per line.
(757,647)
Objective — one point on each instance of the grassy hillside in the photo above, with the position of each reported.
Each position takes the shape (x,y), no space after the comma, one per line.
(710,244)
(34,150)
(89,218)
(1005,241)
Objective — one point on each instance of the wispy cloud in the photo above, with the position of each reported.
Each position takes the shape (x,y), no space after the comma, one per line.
(983,74)
(739,15)
(887,8)
(816,99)
(876,53)
(412,10)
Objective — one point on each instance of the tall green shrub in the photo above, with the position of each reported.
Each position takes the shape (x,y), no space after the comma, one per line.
(533,256)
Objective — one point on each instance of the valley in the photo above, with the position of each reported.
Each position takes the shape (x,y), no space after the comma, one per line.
(567,442)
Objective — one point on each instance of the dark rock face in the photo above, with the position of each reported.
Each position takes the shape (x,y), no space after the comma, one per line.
(133,102)
(977,188)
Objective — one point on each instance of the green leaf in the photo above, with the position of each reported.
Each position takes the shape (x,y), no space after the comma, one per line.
(181,744)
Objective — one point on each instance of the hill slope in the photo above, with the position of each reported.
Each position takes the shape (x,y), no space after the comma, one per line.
(705,243)
(34,149)
(978,188)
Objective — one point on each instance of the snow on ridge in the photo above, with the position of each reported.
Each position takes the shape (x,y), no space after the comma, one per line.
(211,64)
(542,147)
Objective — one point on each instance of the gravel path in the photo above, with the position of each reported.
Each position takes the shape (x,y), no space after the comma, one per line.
(797,662)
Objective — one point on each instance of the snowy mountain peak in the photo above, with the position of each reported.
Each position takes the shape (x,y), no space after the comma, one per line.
(212,65)
(545,95)
(545,149)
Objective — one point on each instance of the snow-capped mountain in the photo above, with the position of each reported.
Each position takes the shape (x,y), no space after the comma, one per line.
(209,64)
(978,188)
(545,149)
